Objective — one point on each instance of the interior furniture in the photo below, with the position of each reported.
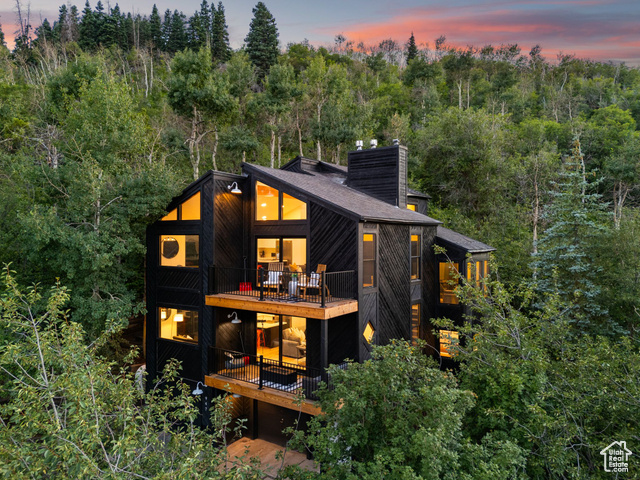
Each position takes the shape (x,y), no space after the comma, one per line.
(281,375)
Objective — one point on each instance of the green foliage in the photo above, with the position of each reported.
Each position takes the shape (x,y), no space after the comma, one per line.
(561,397)
(398,416)
(220,48)
(412,49)
(69,413)
(262,40)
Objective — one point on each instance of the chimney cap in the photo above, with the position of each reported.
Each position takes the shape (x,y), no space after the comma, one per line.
(396,141)
(359,144)
(374,143)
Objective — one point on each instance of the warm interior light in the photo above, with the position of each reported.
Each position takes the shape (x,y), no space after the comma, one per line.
(264,217)
(263,204)
(163,314)
(178,317)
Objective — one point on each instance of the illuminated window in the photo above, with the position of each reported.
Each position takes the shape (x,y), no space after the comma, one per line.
(369,260)
(288,250)
(292,208)
(415,321)
(415,257)
(266,202)
(476,271)
(190,208)
(172,215)
(448,282)
(448,341)
(411,206)
(179,325)
(368,332)
(179,250)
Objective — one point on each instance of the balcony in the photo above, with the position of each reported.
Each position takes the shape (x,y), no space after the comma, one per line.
(265,379)
(311,295)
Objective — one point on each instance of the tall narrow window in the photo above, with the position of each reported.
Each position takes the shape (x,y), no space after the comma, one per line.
(190,208)
(415,257)
(415,322)
(369,260)
(476,271)
(448,273)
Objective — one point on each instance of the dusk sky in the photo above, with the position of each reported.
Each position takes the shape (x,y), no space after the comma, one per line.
(596,29)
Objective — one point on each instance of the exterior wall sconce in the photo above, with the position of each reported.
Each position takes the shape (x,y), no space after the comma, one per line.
(235,189)
(235,319)
(178,317)
(198,390)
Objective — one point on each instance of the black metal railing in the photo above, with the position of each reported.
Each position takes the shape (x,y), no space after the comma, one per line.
(284,285)
(266,372)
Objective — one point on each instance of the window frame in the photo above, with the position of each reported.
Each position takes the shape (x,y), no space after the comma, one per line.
(373,260)
(280,206)
(418,275)
(178,209)
(195,342)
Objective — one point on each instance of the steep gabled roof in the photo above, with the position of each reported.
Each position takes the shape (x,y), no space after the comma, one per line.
(415,193)
(326,185)
(462,241)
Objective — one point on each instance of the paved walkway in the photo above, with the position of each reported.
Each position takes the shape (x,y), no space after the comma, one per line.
(266,452)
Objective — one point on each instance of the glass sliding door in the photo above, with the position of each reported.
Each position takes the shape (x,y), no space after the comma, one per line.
(289,251)
(282,338)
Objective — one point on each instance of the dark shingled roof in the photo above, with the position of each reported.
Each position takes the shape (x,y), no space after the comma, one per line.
(462,241)
(329,189)
(415,193)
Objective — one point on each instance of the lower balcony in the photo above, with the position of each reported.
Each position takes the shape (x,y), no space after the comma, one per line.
(321,295)
(283,384)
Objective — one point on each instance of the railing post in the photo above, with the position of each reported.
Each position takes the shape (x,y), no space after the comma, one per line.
(323,286)
(260,373)
(212,280)
(261,270)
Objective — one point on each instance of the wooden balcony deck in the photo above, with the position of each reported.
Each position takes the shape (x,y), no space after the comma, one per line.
(268,395)
(236,300)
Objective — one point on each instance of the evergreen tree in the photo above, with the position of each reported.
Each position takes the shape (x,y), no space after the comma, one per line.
(44,33)
(2,44)
(412,49)
(220,49)
(88,28)
(177,39)
(262,40)
(564,263)
(155,28)
(58,25)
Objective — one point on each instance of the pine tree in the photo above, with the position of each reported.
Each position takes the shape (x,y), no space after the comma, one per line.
(564,263)
(412,49)
(177,39)
(262,40)
(155,28)
(87,29)
(44,33)
(2,44)
(220,50)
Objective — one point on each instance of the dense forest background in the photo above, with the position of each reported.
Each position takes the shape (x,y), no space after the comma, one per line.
(104,116)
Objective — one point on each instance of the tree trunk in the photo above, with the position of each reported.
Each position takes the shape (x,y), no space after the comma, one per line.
(273,147)
(279,150)
(319,148)
(215,148)
(192,142)
(460,94)
(299,132)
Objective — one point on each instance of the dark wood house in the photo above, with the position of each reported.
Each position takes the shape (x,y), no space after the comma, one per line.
(258,282)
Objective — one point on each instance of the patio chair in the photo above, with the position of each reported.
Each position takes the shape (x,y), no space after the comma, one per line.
(314,280)
(274,276)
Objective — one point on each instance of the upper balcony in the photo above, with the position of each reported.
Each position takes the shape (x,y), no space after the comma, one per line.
(321,295)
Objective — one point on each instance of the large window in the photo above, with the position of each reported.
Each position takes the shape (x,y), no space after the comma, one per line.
(287,250)
(187,210)
(448,273)
(282,338)
(369,250)
(179,250)
(179,325)
(411,206)
(415,257)
(270,202)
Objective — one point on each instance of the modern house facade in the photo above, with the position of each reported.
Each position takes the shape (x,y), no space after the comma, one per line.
(258,282)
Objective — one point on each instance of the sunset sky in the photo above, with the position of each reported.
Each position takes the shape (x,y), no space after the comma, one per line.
(597,29)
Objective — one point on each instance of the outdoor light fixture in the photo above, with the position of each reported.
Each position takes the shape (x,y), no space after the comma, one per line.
(235,320)
(236,395)
(374,143)
(198,390)
(359,144)
(178,317)
(235,189)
